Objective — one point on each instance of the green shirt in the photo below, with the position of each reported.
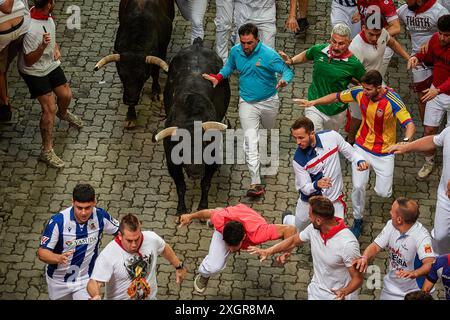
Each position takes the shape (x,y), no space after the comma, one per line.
(333,76)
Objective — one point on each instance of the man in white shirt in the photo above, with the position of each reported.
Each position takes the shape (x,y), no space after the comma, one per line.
(333,248)
(14,23)
(318,170)
(441,230)
(407,240)
(420,18)
(39,66)
(127,265)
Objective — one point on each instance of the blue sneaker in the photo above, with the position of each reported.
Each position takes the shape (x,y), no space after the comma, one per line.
(284,214)
(357,227)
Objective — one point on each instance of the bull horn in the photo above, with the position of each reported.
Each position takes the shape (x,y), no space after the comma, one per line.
(107,59)
(214,125)
(157,61)
(164,133)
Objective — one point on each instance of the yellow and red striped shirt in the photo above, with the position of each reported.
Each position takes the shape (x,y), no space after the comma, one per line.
(378,129)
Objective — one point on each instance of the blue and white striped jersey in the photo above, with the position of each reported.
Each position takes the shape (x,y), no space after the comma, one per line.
(64,233)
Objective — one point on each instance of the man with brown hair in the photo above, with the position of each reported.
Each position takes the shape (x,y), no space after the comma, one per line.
(127,265)
(333,248)
(407,241)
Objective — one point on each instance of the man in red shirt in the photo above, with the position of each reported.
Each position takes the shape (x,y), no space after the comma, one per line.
(437,97)
(236,227)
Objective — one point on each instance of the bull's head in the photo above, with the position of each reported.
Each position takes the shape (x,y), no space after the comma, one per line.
(192,170)
(133,73)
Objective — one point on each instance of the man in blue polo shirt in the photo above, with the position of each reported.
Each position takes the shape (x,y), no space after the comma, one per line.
(440,268)
(258,65)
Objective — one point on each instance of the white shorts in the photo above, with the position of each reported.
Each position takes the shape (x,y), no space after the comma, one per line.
(422,73)
(324,122)
(435,110)
(67,290)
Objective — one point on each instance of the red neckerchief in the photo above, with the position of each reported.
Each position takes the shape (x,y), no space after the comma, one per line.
(333,231)
(38,15)
(363,36)
(117,240)
(425,7)
(345,55)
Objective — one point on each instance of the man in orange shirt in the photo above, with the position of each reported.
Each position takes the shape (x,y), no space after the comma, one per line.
(236,228)
(380,106)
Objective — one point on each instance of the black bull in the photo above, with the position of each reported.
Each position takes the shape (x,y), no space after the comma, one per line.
(145,28)
(188,98)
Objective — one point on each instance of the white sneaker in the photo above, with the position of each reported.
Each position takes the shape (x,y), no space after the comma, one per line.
(426,170)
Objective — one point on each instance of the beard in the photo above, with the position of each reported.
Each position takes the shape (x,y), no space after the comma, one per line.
(414,7)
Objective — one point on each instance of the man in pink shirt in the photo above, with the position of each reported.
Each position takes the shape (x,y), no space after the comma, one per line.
(236,228)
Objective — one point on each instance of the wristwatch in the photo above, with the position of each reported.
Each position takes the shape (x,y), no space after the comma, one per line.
(180,266)
(405,140)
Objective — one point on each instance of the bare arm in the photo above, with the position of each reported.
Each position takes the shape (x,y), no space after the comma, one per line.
(355,283)
(94,289)
(170,256)
(34,56)
(421,145)
(185,219)
(410,130)
(49,257)
(393,27)
(330,98)
(283,246)
(362,263)
(291,21)
(300,58)
(427,286)
(398,49)
(422,271)
(6,7)
(285,231)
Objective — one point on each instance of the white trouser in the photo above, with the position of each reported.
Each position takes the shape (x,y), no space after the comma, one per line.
(263,17)
(441,228)
(216,260)
(435,110)
(384,171)
(58,290)
(301,219)
(384,295)
(226,10)
(388,53)
(255,116)
(324,122)
(343,14)
(315,292)
(194,11)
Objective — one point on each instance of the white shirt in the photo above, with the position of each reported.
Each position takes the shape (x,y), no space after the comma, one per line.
(371,56)
(404,250)
(330,262)
(445,3)
(113,262)
(63,233)
(421,26)
(19,9)
(312,164)
(31,41)
(443,140)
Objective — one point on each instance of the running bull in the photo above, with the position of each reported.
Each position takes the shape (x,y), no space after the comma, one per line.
(189,98)
(145,28)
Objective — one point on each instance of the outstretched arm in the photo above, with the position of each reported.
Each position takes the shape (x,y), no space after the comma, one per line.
(170,256)
(285,245)
(330,98)
(185,219)
(420,145)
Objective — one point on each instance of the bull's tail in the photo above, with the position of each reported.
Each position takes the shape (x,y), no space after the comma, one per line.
(198,41)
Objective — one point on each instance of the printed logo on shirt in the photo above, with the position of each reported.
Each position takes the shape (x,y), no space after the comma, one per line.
(114,221)
(78,242)
(92,225)
(397,260)
(44,240)
(427,248)
(138,268)
(258,62)
(379,113)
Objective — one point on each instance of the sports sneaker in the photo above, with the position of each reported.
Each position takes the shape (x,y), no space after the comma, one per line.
(255,190)
(200,283)
(426,170)
(357,227)
(303,24)
(51,158)
(5,113)
(284,214)
(72,119)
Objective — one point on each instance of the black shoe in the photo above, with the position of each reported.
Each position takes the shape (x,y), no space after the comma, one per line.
(303,24)
(5,113)
(255,190)
(284,214)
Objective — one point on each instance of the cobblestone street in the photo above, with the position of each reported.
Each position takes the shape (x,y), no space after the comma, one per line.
(129,171)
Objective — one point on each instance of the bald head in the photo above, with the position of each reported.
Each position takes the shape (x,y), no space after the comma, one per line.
(408,209)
